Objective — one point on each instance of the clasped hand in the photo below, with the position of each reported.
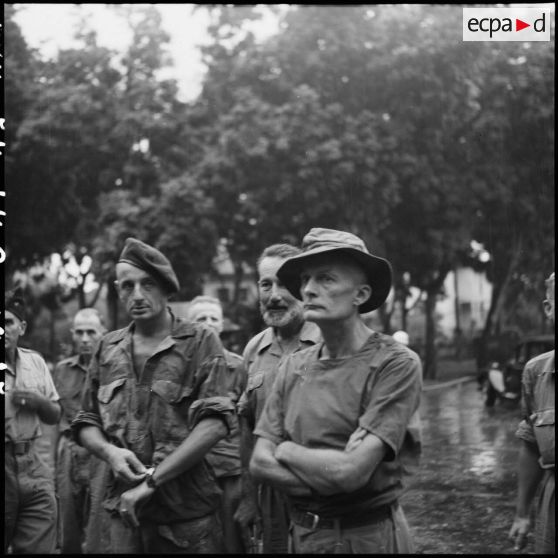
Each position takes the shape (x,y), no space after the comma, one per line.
(129,469)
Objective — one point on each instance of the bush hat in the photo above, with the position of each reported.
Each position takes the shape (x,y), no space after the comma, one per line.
(320,241)
(15,303)
(152,261)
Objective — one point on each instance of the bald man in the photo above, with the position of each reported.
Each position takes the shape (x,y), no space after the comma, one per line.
(73,463)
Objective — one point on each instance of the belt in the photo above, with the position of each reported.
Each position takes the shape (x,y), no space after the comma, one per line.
(314,521)
(20,448)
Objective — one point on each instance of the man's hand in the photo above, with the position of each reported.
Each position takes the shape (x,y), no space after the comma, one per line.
(518,532)
(356,438)
(281,450)
(131,502)
(247,513)
(27,399)
(125,465)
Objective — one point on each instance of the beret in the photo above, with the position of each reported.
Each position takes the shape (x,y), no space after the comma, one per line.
(140,254)
(15,304)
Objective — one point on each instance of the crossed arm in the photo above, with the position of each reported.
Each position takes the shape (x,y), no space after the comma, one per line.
(300,471)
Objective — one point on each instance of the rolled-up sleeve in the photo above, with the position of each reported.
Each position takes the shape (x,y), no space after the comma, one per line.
(211,376)
(271,424)
(394,397)
(525,430)
(89,414)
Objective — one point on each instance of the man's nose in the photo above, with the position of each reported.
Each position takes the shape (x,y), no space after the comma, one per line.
(137,293)
(275,292)
(309,287)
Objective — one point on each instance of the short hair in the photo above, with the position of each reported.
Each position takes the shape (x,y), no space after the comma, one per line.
(207,299)
(88,313)
(283,251)
(550,285)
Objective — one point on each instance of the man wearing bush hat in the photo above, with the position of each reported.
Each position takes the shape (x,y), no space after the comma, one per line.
(154,405)
(335,425)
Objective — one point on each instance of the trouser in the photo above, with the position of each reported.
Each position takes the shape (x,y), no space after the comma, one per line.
(390,535)
(30,508)
(545,526)
(72,485)
(275,520)
(97,540)
(232,531)
(198,536)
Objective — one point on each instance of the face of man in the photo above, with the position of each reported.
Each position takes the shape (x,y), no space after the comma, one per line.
(279,308)
(86,332)
(14,329)
(145,299)
(332,290)
(209,314)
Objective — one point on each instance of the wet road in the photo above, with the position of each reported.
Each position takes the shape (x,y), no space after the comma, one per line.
(462,497)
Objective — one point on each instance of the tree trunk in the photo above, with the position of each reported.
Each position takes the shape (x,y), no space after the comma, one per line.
(52,336)
(81,293)
(499,295)
(385,317)
(430,362)
(112,306)
(238,276)
(95,298)
(404,312)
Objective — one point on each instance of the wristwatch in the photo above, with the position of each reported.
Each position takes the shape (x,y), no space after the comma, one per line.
(149,480)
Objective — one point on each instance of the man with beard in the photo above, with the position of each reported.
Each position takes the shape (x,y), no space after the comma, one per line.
(261,505)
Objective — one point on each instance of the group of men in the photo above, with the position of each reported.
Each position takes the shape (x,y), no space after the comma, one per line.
(169,443)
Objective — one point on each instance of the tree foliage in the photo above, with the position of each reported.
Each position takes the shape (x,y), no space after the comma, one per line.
(377,119)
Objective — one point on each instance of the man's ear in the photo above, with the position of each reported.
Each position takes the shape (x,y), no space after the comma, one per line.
(23,327)
(363,293)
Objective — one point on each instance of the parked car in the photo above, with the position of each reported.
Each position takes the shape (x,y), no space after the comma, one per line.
(504,378)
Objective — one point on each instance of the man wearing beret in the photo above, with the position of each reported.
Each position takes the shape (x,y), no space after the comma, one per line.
(336,423)
(30,511)
(154,405)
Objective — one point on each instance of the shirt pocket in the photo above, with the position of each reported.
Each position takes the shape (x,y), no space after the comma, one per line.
(543,425)
(255,381)
(113,405)
(169,410)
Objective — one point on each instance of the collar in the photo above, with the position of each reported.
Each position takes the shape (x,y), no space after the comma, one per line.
(180,328)
(75,362)
(9,369)
(309,334)
(550,363)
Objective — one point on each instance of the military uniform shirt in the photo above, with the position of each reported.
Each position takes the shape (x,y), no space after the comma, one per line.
(319,403)
(31,373)
(224,457)
(183,382)
(538,407)
(261,359)
(69,378)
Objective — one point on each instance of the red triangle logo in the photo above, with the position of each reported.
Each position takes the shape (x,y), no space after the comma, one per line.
(519,25)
